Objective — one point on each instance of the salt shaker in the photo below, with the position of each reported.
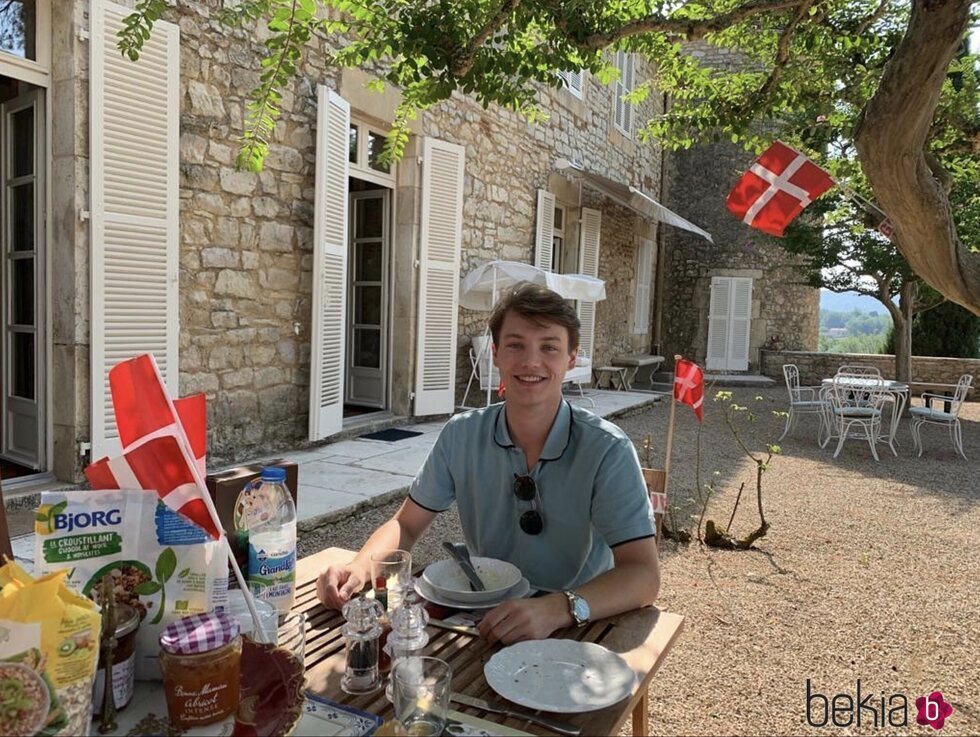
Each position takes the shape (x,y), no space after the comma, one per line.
(408,636)
(361,631)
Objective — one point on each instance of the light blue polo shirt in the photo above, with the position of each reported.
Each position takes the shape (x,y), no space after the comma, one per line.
(591,493)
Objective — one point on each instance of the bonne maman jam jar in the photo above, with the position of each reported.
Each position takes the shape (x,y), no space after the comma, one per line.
(200,657)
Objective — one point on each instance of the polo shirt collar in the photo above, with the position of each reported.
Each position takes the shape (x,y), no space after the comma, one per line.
(558,436)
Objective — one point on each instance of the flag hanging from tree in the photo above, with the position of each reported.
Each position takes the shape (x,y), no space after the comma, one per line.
(776,188)
(163,442)
(689,385)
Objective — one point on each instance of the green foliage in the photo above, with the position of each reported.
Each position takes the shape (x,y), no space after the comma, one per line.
(806,69)
(856,322)
(854,343)
(946,330)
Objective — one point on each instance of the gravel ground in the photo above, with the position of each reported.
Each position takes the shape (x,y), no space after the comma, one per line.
(868,573)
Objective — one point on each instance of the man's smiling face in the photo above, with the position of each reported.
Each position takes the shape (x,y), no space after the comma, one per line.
(532,359)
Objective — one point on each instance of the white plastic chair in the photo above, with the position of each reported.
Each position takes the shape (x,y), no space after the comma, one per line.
(802,400)
(855,412)
(926,415)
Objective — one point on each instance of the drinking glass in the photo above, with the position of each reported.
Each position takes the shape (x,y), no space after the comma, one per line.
(421,686)
(291,635)
(388,571)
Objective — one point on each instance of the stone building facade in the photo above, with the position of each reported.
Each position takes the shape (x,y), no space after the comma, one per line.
(243,324)
(784,311)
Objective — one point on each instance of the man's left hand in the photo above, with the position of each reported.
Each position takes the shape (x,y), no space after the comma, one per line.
(525,619)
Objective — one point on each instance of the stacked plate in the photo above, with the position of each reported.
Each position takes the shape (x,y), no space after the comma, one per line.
(444,583)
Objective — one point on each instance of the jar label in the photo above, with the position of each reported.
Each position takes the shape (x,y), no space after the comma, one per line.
(123,675)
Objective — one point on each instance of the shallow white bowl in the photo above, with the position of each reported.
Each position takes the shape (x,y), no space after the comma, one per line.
(447,578)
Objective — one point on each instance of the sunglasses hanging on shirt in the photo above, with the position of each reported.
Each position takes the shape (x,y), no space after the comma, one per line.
(526,490)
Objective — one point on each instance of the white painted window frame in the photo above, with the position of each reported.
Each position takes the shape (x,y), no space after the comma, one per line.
(558,236)
(360,168)
(35,71)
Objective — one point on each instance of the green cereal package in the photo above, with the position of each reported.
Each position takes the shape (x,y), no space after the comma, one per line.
(161,564)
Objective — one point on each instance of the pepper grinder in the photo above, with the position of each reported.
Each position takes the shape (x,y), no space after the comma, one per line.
(361,631)
(408,621)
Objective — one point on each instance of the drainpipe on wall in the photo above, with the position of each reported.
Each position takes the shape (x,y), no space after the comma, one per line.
(656,341)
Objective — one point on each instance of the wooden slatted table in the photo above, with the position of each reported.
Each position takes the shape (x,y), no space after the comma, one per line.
(643,637)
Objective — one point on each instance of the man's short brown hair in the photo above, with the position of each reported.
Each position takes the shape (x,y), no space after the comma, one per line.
(538,304)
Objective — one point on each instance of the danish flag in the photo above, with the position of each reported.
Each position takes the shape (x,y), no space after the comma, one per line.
(776,188)
(689,385)
(164,442)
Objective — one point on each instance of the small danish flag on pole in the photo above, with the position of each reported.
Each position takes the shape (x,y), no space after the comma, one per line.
(689,385)
(776,188)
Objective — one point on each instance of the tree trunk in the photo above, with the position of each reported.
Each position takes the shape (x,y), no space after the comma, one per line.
(891,140)
(903,332)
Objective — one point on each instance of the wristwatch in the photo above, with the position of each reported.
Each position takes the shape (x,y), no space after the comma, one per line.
(578,608)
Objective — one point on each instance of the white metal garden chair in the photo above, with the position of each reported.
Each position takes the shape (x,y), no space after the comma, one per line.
(926,415)
(802,400)
(859,369)
(855,412)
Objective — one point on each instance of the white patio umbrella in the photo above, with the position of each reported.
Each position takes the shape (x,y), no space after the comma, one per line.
(480,288)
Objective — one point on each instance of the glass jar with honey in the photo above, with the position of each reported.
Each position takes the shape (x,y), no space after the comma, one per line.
(200,657)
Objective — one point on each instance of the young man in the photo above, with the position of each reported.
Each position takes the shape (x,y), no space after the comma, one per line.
(552,488)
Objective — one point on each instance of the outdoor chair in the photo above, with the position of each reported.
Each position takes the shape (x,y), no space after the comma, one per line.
(926,415)
(855,413)
(802,400)
(859,369)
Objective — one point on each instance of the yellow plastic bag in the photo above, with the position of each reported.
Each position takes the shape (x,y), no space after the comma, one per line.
(49,648)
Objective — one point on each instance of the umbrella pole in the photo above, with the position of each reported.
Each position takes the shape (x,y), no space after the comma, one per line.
(490,342)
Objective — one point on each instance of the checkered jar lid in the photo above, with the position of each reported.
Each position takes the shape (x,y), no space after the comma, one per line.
(199,633)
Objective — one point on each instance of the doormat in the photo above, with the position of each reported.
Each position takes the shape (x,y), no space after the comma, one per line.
(391,434)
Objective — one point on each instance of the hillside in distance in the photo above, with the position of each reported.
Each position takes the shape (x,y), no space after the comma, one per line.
(849,301)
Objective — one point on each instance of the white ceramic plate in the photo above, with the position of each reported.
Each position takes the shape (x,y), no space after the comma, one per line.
(562,676)
(522,589)
(447,579)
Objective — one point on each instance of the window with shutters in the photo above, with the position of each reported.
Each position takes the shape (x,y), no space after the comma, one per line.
(574,82)
(644,275)
(623,117)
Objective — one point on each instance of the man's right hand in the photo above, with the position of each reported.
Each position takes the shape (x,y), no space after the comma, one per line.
(337,584)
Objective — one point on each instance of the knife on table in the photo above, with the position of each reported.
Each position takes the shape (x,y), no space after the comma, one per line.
(466,564)
(552,724)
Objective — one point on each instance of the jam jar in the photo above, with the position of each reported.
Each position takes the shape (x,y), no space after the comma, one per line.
(123,661)
(200,657)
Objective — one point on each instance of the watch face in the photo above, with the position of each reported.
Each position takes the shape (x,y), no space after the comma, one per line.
(581,609)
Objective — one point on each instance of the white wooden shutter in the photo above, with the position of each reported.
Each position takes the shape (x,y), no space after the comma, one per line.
(329,265)
(573,81)
(644,274)
(134,110)
(718,319)
(440,237)
(544,239)
(623,119)
(741,319)
(588,265)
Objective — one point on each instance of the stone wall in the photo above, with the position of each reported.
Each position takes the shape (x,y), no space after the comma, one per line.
(697,183)
(246,239)
(816,366)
